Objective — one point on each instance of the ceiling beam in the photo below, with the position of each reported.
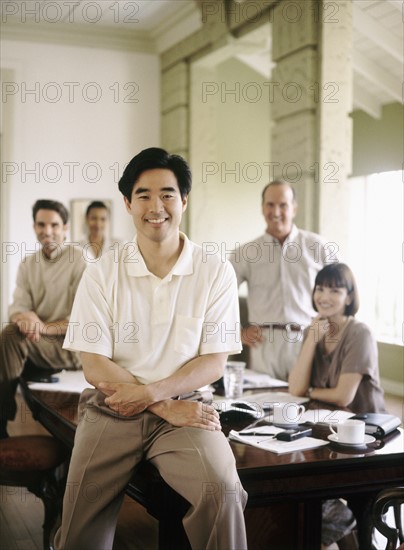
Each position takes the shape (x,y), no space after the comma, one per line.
(377,76)
(373,30)
(233,47)
(366,101)
(261,64)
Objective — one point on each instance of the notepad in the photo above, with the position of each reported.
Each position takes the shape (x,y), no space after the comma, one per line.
(268,443)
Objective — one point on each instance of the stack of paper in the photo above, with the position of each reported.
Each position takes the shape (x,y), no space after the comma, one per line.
(71,381)
(254,379)
(256,405)
(268,443)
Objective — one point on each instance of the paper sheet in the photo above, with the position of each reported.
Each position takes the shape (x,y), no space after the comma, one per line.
(71,381)
(267,443)
(254,379)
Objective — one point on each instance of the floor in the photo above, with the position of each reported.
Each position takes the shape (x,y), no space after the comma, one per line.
(21,513)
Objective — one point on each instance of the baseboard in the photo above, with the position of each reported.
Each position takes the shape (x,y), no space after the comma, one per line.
(392,387)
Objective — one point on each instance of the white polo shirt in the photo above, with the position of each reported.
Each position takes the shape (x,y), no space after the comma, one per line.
(88,253)
(281,278)
(153,326)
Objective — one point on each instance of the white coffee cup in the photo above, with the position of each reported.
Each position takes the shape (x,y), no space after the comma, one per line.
(287,413)
(233,379)
(349,431)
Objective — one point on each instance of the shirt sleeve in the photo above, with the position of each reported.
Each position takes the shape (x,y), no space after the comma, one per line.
(22,298)
(79,268)
(329,251)
(221,326)
(360,352)
(239,265)
(91,327)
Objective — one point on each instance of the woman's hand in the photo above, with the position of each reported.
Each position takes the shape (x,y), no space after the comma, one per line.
(251,336)
(319,328)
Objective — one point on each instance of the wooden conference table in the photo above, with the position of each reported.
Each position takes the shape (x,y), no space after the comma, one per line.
(285,491)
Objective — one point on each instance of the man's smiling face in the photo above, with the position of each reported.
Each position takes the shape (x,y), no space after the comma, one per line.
(279,210)
(50,230)
(156,205)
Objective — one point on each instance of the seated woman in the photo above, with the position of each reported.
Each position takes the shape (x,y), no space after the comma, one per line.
(338,361)
(338,364)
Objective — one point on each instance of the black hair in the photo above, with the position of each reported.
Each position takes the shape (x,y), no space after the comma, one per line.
(275,183)
(45,204)
(152,158)
(339,275)
(96,204)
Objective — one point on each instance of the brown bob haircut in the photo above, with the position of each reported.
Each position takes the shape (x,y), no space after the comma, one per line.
(339,276)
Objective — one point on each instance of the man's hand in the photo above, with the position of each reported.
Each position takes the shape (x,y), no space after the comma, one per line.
(193,414)
(251,336)
(126,398)
(30,325)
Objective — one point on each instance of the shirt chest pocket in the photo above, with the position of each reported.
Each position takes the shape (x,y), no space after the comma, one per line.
(188,333)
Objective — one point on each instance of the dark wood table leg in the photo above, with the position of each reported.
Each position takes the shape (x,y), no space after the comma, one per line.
(361,506)
(310,525)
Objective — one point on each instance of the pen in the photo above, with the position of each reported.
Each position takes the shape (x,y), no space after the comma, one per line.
(256,433)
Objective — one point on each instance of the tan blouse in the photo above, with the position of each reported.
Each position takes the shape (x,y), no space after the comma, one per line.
(356,352)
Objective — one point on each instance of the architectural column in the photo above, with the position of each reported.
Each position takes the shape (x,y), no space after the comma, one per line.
(175,115)
(334,123)
(312,83)
(175,109)
(175,69)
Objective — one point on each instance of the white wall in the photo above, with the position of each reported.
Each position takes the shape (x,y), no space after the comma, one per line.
(230,151)
(91,125)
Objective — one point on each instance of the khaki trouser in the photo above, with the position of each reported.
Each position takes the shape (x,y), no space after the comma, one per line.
(277,354)
(14,350)
(196,463)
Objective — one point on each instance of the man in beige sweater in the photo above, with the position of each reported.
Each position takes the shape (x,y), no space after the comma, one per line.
(46,285)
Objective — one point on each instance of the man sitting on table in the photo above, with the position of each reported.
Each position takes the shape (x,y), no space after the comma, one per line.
(279,268)
(158,315)
(45,289)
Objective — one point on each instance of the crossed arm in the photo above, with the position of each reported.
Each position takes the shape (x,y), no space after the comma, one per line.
(126,395)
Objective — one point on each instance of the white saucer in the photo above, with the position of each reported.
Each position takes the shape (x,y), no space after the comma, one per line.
(368,439)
